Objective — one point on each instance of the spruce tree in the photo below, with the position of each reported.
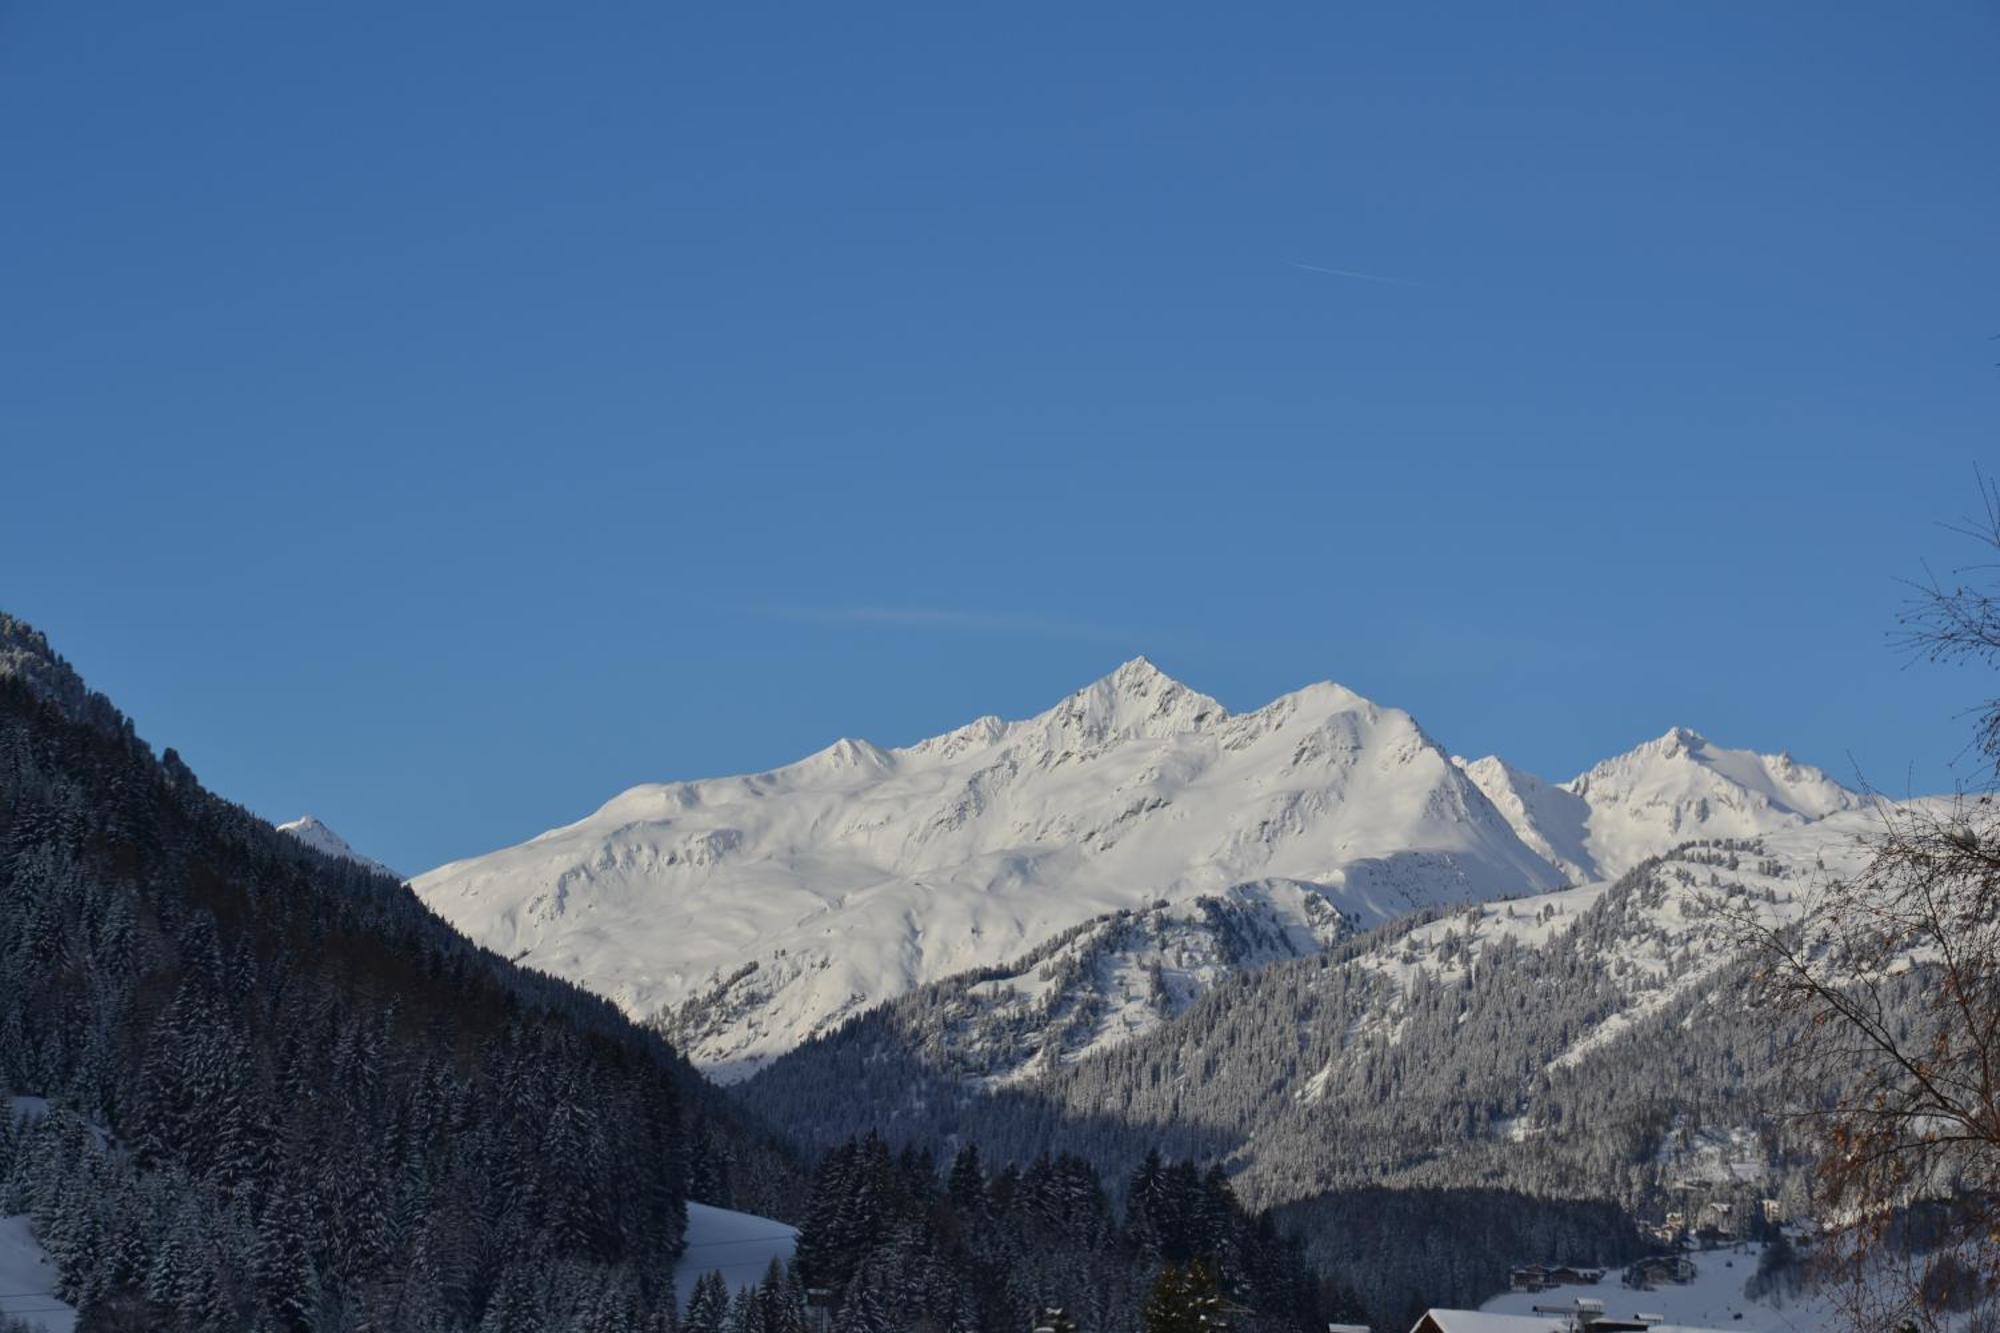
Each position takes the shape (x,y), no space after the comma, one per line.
(708,1305)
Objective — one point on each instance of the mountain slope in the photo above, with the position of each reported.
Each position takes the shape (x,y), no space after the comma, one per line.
(1550,1044)
(1550,819)
(752,912)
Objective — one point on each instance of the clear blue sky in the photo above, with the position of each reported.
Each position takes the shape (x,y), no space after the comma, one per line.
(441,416)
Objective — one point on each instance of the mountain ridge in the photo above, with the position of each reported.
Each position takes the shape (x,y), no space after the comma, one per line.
(748,913)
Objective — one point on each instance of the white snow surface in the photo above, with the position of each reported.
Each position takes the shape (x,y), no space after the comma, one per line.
(1683,786)
(738,1245)
(1550,819)
(27,1279)
(1713,1300)
(1486,1321)
(309,830)
(750,913)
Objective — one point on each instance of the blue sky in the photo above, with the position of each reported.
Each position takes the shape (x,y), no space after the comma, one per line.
(439,417)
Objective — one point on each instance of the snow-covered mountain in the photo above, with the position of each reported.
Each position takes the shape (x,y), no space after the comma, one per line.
(1683,787)
(1551,819)
(784,901)
(749,913)
(309,830)
(1680,788)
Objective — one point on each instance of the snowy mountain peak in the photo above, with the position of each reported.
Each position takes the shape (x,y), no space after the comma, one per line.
(1140,675)
(974,735)
(1680,740)
(848,756)
(1328,696)
(1138,700)
(1548,818)
(314,833)
(1684,786)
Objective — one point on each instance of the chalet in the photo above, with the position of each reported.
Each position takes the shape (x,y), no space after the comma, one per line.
(1718,1220)
(1658,1268)
(1670,1229)
(1540,1277)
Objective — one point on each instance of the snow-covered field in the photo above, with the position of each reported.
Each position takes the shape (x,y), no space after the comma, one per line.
(1715,1299)
(738,1245)
(27,1279)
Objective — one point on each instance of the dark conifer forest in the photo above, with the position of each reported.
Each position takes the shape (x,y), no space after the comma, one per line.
(281,1095)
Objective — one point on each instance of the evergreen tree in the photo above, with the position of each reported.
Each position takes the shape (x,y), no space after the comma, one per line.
(1184,1300)
(708,1305)
(285,1274)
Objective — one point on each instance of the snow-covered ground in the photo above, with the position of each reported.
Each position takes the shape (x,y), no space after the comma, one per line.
(751,913)
(739,1245)
(1715,1299)
(27,1280)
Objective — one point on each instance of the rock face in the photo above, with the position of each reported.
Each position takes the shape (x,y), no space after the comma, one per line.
(751,913)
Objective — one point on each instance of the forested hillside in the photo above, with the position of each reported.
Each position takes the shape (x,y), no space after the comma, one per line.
(1457,1091)
(284,1096)
(1551,1044)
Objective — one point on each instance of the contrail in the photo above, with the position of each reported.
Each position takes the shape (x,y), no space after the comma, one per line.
(1351,273)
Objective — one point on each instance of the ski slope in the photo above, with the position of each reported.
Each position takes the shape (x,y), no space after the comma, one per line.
(738,1245)
(1715,1299)
(28,1279)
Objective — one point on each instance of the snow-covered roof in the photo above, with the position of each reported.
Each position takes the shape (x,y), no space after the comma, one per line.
(1479,1321)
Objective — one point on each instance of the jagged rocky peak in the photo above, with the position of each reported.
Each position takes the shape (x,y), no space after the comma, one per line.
(1679,741)
(1136,700)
